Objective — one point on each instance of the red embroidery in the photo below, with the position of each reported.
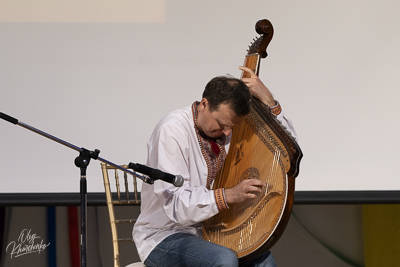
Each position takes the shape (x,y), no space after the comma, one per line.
(213,154)
(215,148)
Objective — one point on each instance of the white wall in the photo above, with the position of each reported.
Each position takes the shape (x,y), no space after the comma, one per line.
(103,79)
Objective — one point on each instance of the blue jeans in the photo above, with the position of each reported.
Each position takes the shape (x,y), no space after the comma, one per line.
(187,250)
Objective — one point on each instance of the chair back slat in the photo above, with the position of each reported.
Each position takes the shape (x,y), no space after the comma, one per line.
(126,186)
(119,198)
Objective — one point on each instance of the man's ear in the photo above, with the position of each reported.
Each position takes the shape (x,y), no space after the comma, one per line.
(204,103)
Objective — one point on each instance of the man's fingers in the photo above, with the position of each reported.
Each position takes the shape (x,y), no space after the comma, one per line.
(246,69)
(255,182)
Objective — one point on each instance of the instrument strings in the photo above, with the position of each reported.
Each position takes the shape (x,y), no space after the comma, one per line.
(256,209)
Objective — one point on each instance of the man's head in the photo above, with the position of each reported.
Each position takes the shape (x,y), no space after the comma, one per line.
(225,102)
(230,91)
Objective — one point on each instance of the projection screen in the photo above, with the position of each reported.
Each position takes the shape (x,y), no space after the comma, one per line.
(100,74)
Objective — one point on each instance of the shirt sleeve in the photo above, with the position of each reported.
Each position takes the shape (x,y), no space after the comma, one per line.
(169,150)
(286,122)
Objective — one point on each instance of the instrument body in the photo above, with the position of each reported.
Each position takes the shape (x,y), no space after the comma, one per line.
(260,148)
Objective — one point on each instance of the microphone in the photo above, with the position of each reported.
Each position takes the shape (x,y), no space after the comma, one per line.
(156,174)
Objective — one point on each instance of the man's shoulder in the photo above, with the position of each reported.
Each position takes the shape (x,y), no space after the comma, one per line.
(180,118)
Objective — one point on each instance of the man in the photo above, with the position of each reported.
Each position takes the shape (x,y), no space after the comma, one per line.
(193,142)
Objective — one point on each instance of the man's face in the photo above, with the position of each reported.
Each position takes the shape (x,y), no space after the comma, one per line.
(218,122)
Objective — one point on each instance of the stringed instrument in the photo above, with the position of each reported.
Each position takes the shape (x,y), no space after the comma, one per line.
(260,148)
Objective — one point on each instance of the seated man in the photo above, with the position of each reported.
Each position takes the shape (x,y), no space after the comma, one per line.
(193,142)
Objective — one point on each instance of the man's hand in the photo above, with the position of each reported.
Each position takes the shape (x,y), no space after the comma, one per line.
(257,88)
(246,189)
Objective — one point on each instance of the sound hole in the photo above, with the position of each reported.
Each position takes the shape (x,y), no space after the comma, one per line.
(250,173)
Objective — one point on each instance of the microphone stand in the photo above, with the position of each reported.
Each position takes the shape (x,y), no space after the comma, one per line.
(82,161)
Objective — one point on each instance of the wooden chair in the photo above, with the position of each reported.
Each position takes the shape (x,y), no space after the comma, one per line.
(117,197)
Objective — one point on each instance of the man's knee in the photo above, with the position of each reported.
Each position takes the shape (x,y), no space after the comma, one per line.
(225,258)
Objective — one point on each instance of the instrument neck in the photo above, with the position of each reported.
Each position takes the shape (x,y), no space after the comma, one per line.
(252,62)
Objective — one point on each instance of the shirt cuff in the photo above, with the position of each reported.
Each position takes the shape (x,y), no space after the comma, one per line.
(219,195)
(277,109)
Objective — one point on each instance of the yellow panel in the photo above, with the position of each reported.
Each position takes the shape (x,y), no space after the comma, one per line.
(381,235)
